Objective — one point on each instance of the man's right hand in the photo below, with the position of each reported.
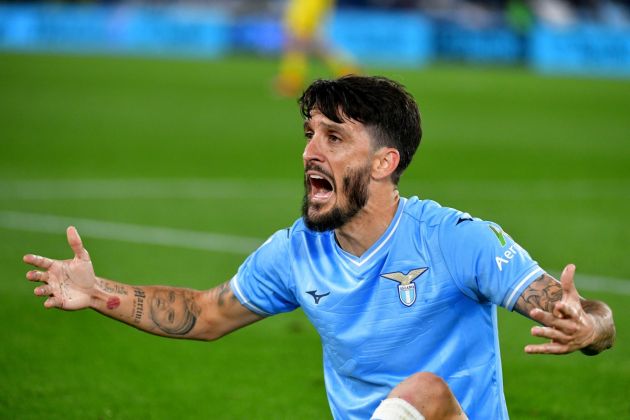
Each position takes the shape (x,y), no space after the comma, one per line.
(69,284)
(162,310)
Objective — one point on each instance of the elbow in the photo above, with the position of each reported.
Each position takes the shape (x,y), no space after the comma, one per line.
(211,336)
(209,330)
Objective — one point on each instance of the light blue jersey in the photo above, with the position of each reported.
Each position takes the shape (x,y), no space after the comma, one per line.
(422,298)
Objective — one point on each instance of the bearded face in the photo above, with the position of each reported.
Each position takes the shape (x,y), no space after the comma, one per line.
(328,204)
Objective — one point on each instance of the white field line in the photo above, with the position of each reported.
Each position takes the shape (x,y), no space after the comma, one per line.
(127,232)
(205,241)
(602,284)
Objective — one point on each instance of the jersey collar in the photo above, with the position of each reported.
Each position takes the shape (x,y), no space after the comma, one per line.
(372,253)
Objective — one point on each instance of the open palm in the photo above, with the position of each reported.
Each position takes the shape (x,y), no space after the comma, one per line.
(69,284)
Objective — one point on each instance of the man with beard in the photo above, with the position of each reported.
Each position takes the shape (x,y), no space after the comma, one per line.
(402,291)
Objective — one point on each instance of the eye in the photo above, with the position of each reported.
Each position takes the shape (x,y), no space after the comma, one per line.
(333,138)
(308,135)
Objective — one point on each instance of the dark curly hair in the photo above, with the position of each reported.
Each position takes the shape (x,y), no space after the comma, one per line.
(381,104)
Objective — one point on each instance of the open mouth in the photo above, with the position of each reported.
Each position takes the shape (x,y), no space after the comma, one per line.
(320,187)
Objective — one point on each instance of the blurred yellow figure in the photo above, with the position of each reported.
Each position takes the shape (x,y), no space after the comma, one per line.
(302,21)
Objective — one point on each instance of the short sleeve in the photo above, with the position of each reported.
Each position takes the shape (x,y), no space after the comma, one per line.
(263,283)
(484,261)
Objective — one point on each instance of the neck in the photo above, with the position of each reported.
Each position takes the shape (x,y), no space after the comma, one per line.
(359,234)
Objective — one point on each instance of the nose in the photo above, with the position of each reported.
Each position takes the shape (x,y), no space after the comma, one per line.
(312,151)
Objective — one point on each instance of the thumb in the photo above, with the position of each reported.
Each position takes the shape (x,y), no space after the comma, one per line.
(570,302)
(74,240)
(53,302)
(569,291)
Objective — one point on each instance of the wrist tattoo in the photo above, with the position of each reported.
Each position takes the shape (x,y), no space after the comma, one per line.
(109,288)
(542,293)
(113,302)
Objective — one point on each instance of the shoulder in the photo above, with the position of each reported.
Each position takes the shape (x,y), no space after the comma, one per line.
(454,227)
(291,237)
(276,244)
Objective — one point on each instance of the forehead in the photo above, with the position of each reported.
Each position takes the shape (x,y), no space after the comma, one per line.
(317,120)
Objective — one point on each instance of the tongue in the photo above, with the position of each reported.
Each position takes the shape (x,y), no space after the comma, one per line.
(322,194)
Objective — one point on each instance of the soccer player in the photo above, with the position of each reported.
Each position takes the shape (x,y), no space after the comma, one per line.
(302,22)
(402,291)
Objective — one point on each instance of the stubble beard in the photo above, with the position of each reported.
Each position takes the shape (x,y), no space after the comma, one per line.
(355,187)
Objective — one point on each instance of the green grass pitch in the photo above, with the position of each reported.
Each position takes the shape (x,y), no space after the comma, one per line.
(205,146)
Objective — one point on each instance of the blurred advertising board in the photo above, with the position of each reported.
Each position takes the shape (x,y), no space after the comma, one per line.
(370,36)
(385,38)
(122,29)
(581,49)
(488,44)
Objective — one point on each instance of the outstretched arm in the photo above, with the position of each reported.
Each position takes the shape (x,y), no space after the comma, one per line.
(167,311)
(570,322)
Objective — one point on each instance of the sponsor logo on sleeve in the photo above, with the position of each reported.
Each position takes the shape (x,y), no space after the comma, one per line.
(499,234)
(508,255)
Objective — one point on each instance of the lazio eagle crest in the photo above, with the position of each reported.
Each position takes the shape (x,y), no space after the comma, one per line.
(406,285)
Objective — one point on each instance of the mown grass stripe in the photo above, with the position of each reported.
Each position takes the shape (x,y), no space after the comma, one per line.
(153,235)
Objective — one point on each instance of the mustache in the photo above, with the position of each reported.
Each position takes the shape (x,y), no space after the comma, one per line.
(315,167)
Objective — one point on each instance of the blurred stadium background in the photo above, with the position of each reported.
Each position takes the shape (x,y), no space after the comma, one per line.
(155,129)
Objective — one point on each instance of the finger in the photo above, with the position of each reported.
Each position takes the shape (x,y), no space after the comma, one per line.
(551,333)
(544,317)
(38,261)
(547,348)
(569,291)
(43,291)
(550,320)
(35,275)
(568,310)
(53,302)
(74,240)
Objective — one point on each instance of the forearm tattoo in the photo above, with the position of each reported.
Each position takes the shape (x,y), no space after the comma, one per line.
(174,311)
(543,293)
(138,304)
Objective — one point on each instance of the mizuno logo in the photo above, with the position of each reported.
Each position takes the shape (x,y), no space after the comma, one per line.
(463,219)
(406,285)
(317,297)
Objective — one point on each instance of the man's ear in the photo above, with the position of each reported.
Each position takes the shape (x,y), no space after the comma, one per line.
(385,162)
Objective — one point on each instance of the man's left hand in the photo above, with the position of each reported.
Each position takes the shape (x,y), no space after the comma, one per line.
(567,326)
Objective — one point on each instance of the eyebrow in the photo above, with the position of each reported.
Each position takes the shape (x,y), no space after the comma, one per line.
(328,126)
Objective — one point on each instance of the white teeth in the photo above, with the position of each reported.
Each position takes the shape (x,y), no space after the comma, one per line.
(317,177)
